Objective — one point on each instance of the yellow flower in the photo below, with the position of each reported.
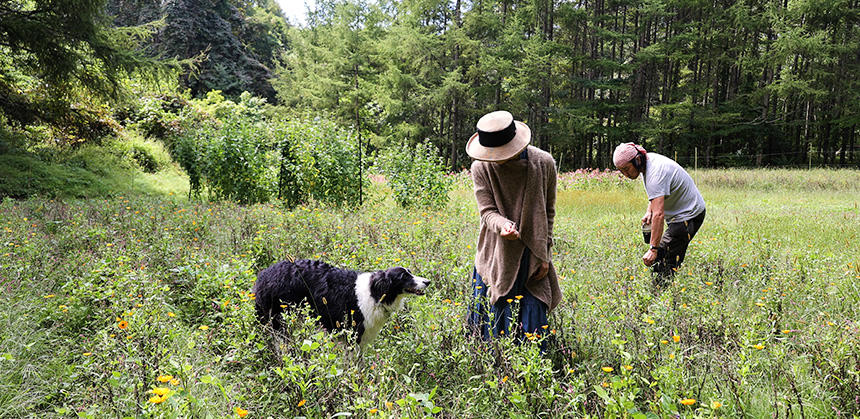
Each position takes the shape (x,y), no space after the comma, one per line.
(164,378)
(203,327)
(608,369)
(676,338)
(518,297)
(157,399)
(122,324)
(174,382)
(50,296)
(373,411)
(302,403)
(170,314)
(504,379)
(87,353)
(786,331)
(688,402)
(628,367)
(759,346)
(161,391)
(241,412)
(664,341)
(716,405)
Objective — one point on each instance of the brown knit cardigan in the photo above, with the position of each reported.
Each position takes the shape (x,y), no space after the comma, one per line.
(523,192)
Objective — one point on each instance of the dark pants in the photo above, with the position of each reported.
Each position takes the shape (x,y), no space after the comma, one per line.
(673,245)
(531,312)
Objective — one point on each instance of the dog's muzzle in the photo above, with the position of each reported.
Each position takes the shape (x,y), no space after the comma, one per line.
(418,285)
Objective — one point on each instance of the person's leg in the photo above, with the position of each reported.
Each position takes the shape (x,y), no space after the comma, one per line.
(479,319)
(674,245)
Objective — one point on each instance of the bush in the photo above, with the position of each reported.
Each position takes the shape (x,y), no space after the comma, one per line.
(416,176)
(318,160)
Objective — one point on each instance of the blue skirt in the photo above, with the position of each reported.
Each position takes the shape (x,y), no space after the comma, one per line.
(530,312)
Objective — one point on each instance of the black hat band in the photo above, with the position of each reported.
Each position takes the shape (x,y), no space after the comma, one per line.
(497,138)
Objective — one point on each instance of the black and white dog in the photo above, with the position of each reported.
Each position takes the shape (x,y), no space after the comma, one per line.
(341,298)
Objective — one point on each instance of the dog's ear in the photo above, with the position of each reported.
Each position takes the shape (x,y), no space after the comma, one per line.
(380,283)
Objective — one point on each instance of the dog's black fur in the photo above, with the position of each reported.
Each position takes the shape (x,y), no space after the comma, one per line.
(332,294)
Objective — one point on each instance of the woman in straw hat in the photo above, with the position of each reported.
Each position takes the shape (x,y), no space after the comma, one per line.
(515,190)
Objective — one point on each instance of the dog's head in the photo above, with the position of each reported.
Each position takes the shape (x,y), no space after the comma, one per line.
(386,286)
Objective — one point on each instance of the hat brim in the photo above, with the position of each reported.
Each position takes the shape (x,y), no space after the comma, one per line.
(502,153)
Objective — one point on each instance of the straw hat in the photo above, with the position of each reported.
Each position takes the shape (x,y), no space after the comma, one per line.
(499,137)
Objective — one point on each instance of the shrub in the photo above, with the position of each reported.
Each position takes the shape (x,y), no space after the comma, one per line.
(318,160)
(416,176)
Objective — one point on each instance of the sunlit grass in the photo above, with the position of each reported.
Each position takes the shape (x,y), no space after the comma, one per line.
(102,297)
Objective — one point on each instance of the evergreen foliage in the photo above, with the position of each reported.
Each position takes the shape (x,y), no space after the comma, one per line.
(765,82)
(233,43)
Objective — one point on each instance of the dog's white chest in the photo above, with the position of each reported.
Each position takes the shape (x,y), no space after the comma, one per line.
(374,314)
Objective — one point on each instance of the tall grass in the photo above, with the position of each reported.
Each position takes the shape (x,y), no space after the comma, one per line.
(101,297)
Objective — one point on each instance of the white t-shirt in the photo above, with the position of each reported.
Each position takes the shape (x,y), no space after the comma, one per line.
(664,177)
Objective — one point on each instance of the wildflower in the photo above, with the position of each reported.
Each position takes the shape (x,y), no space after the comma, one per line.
(786,331)
(160,391)
(373,411)
(676,338)
(664,341)
(87,353)
(302,403)
(174,382)
(241,412)
(157,399)
(122,324)
(518,297)
(50,296)
(759,346)
(716,405)
(164,378)
(170,314)
(203,327)
(688,402)
(608,369)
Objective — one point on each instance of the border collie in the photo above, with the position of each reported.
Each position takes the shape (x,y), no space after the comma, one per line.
(340,298)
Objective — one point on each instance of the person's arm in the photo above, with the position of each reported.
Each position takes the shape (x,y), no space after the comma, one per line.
(552,181)
(490,215)
(655,209)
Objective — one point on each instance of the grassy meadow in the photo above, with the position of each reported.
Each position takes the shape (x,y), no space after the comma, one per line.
(138,306)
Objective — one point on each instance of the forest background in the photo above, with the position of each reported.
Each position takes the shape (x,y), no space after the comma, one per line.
(713,84)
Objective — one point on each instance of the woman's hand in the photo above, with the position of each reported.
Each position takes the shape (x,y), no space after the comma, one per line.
(542,271)
(509,232)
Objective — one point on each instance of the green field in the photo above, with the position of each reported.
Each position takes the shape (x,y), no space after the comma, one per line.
(101,297)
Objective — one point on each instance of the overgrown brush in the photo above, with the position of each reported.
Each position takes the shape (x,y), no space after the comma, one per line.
(140,306)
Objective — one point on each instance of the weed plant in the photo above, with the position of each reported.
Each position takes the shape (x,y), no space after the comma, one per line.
(138,306)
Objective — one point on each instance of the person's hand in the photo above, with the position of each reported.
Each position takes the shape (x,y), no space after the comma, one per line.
(647,218)
(649,257)
(542,271)
(509,232)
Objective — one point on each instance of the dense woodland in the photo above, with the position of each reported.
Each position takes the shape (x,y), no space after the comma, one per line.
(718,83)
